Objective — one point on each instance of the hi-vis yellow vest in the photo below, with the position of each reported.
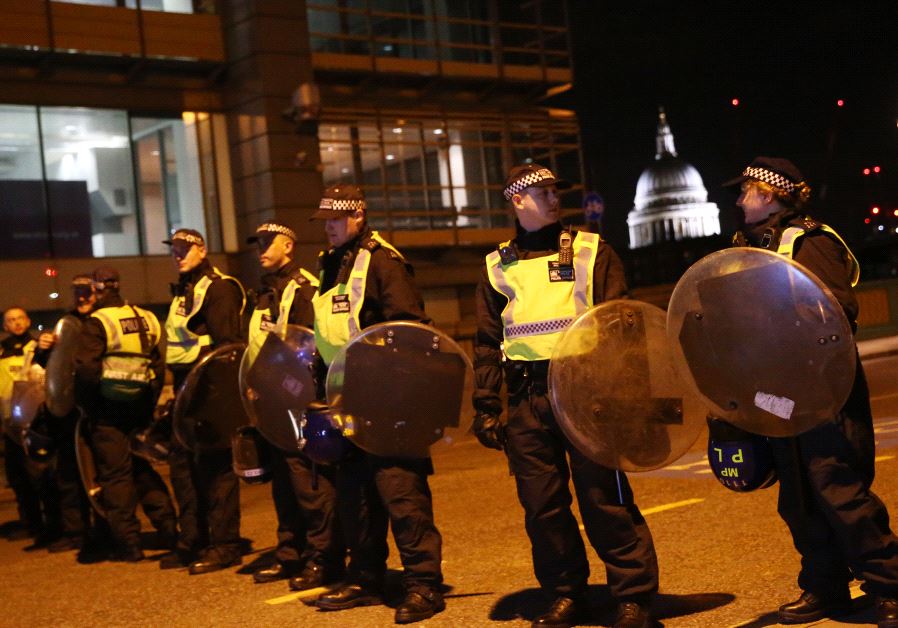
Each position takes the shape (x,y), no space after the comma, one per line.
(543,299)
(337,310)
(183,345)
(126,363)
(14,368)
(792,234)
(260,324)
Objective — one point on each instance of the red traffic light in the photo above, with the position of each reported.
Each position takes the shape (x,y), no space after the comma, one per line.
(866,171)
(735,102)
(876,169)
(866,221)
(840,103)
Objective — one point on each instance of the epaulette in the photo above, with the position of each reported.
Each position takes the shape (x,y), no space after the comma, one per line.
(371,244)
(809,223)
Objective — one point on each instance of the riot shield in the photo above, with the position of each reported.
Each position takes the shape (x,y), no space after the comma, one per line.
(61,367)
(27,397)
(276,385)
(208,409)
(766,343)
(84,455)
(616,392)
(397,389)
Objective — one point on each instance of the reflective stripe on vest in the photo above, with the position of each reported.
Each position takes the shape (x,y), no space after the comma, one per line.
(14,368)
(790,237)
(337,311)
(260,323)
(184,345)
(539,309)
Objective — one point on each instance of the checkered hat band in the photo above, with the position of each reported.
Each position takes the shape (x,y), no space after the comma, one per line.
(526,181)
(187,237)
(770,178)
(341,204)
(272,228)
(538,327)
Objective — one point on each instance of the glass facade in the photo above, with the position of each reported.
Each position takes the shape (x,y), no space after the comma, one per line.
(78,182)
(438,173)
(515,33)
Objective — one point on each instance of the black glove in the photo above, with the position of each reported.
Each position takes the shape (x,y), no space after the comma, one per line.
(489,431)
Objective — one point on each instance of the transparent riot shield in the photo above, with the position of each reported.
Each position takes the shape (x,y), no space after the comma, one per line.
(208,407)
(766,343)
(397,389)
(277,384)
(27,398)
(87,469)
(60,391)
(616,392)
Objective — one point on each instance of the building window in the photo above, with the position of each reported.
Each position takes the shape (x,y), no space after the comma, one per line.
(168,6)
(77,182)
(442,173)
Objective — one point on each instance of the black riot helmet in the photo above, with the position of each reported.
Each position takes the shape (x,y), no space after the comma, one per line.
(740,460)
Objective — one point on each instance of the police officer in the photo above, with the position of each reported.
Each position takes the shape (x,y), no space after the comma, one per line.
(74,506)
(309,550)
(119,369)
(838,525)
(205,312)
(525,288)
(38,510)
(364,280)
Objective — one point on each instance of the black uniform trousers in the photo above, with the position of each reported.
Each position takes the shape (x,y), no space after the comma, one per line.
(305,500)
(73,503)
(34,488)
(374,492)
(208,494)
(538,454)
(840,527)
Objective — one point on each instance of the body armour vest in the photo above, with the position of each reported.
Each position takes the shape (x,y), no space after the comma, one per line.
(183,345)
(791,235)
(544,297)
(131,334)
(14,368)
(337,310)
(260,323)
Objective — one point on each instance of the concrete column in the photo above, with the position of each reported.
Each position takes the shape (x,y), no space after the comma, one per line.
(275,163)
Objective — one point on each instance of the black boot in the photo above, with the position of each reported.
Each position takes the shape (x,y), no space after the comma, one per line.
(418,606)
(811,607)
(887,612)
(564,612)
(349,595)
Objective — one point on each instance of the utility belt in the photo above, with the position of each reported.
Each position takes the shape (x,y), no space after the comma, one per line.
(526,376)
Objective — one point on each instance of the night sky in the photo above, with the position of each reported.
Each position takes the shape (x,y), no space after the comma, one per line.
(787,63)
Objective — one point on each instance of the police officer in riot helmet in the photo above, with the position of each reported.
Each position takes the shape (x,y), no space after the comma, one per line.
(119,369)
(37,507)
(838,525)
(310,549)
(374,492)
(525,282)
(205,312)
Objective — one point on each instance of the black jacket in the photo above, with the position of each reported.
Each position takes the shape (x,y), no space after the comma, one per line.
(609,283)
(220,316)
(273,285)
(817,250)
(390,291)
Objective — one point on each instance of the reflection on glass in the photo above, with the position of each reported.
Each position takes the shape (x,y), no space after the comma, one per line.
(90,151)
(169,178)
